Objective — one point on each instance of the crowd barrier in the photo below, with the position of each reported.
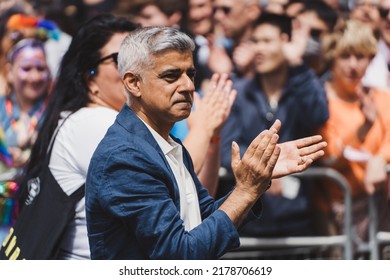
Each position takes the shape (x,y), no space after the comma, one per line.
(253,247)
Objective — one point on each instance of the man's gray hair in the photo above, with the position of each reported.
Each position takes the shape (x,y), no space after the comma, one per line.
(138,47)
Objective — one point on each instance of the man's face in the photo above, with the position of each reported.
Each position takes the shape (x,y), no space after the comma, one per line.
(151,15)
(167,88)
(230,14)
(268,48)
(200,16)
(384,25)
(366,11)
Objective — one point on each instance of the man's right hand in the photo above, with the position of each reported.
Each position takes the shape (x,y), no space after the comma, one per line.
(253,172)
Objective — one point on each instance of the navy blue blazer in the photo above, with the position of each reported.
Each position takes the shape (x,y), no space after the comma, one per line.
(132,201)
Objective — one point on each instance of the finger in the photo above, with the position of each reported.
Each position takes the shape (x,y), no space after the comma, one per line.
(307,141)
(314,156)
(312,149)
(273,160)
(222,81)
(266,149)
(231,98)
(260,143)
(255,144)
(370,188)
(276,126)
(212,85)
(235,155)
(304,166)
(197,99)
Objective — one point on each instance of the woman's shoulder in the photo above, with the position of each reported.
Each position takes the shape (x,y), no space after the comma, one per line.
(87,115)
(90,121)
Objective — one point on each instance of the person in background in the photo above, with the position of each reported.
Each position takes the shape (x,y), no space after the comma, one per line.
(357,132)
(321,19)
(84,103)
(22,107)
(10,35)
(275,6)
(378,72)
(158,12)
(143,199)
(232,50)
(282,84)
(367,11)
(200,26)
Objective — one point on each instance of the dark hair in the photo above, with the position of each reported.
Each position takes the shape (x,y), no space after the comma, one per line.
(283,22)
(323,11)
(167,7)
(71,89)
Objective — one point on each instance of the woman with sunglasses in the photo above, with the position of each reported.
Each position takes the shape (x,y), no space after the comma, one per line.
(84,103)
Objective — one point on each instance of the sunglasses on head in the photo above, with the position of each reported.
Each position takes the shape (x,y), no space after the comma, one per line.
(226,10)
(384,12)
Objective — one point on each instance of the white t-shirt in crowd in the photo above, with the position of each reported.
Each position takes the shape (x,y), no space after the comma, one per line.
(73,148)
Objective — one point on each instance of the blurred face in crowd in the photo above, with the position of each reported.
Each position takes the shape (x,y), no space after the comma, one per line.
(348,69)
(335,4)
(29,74)
(312,20)
(151,15)
(276,6)
(106,83)
(318,29)
(235,16)
(384,25)
(200,20)
(366,11)
(269,42)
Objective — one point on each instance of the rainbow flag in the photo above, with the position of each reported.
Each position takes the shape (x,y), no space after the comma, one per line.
(5,156)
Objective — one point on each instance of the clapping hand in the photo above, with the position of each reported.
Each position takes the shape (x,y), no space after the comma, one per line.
(298,155)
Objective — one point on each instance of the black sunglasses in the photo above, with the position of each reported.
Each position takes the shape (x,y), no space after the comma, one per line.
(114,57)
(383,12)
(226,10)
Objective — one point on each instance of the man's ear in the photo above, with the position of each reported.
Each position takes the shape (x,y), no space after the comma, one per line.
(131,82)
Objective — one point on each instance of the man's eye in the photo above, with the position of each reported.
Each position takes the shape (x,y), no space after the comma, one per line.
(170,77)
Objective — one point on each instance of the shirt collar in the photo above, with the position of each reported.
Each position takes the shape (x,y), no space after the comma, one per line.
(166,146)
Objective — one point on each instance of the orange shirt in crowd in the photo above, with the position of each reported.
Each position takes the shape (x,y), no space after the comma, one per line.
(340,132)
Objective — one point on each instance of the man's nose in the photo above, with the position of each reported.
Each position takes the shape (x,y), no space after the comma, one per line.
(187,83)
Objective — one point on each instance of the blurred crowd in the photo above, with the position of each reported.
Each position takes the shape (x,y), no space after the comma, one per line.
(319,66)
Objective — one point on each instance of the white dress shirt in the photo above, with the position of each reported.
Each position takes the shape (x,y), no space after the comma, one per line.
(189,202)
